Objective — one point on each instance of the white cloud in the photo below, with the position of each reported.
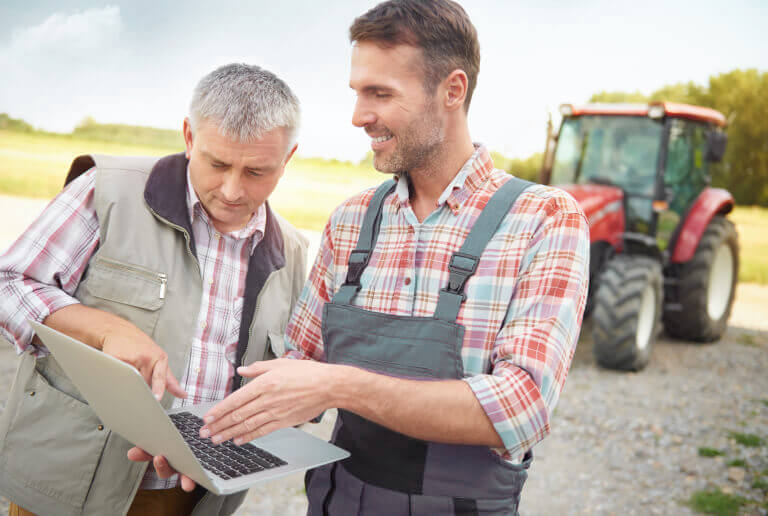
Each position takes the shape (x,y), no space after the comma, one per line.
(59,32)
(54,61)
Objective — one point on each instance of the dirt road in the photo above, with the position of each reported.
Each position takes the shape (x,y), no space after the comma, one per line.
(621,443)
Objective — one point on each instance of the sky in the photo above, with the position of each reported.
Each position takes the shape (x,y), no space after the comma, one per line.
(137,61)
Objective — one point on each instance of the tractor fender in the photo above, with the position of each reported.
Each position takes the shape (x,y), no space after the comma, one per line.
(710,202)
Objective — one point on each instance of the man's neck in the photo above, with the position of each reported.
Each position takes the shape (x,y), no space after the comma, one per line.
(429,182)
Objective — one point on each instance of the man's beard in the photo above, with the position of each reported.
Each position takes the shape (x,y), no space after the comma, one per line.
(416,146)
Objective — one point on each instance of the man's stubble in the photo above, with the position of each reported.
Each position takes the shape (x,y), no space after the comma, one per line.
(417,146)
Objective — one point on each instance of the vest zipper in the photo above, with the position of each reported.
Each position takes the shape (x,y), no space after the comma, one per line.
(253,321)
(163,282)
(160,276)
(186,239)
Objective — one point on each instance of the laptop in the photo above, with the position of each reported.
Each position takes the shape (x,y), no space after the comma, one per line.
(129,408)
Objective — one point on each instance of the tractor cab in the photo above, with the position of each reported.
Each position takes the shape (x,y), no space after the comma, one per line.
(641,175)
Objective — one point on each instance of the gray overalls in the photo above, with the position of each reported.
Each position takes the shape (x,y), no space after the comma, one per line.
(390,473)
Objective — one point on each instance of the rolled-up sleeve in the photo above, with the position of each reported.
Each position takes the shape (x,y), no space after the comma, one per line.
(533,351)
(40,272)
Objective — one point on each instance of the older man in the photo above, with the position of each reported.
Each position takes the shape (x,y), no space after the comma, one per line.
(164,264)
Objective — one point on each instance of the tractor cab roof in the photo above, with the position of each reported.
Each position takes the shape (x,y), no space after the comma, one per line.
(653,110)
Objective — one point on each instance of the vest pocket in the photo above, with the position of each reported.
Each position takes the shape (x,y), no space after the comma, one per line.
(132,292)
(54,443)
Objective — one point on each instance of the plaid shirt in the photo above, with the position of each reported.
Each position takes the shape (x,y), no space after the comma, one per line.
(524,304)
(42,269)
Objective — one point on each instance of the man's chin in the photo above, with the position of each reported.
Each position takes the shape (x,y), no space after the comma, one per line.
(387,167)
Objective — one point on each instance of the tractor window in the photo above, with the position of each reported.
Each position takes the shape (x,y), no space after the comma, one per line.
(686,170)
(622,150)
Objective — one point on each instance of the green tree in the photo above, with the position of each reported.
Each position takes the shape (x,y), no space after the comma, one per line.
(526,168)
(620,97)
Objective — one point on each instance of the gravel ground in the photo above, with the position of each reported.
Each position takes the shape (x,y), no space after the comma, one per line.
(622,443)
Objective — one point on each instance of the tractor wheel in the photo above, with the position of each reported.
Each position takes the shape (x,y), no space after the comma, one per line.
(706,285)
(627,312)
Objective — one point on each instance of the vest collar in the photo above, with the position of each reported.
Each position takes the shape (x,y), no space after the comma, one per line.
(166,195)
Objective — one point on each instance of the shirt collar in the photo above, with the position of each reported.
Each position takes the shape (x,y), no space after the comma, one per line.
(256,224)
(467,180)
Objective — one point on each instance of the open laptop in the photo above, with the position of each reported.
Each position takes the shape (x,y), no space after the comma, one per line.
(129,408)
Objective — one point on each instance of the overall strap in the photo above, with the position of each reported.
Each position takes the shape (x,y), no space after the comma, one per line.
(464,262)
(369,232)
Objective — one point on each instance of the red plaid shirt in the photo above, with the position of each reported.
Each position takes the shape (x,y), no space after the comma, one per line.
(42,269)
(524,305)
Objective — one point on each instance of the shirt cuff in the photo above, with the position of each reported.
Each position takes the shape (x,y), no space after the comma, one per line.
(513,403)
(54,299)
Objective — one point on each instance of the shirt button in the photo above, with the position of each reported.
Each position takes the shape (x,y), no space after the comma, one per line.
(197,370)
(210,281)
(203,325)
(407,281)
(216,236)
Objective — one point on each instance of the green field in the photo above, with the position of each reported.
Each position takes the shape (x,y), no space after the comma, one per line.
(34,165)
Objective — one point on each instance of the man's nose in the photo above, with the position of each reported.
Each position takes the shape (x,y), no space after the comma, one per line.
(232,187)
(362,115)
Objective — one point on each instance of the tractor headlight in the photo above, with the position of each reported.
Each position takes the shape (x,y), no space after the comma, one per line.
(566,109)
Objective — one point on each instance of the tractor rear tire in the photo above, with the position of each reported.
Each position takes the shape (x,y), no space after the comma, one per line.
(627,312)
(707,284)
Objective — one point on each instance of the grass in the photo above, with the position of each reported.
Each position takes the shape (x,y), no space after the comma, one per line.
(34,164)
(737,463)
(716,502)
(751,222)
(710,452)
(748,440)
(748,339)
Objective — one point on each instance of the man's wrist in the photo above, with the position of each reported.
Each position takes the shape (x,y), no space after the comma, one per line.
(340,387)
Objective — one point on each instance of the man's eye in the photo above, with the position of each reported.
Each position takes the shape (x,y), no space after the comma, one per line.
(382,95)
(218,165)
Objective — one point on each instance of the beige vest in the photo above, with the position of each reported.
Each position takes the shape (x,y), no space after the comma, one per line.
(55,455)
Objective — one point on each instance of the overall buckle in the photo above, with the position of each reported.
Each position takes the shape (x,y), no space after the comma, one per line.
(460,268)
(358,261)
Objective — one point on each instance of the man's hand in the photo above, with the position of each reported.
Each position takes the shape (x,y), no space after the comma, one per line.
(163,469)
(121,339)
(283,393)
(129,344)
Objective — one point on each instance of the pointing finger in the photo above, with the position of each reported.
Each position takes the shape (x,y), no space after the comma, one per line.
(173,385)
(158,378)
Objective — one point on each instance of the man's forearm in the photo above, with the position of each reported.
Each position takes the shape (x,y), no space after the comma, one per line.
(442,411)
(86,324)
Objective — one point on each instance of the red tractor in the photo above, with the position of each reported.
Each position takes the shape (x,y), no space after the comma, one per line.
(661,246)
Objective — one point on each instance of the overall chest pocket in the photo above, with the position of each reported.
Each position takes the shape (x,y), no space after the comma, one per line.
(54,441)
(130,291)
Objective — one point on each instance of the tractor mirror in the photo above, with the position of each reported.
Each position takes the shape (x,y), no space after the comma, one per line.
(716,142)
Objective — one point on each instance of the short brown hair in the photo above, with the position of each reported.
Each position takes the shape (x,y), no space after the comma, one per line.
(441,28)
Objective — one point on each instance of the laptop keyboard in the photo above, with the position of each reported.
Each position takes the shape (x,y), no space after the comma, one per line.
(225,460)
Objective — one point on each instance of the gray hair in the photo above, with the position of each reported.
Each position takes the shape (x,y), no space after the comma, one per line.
(244,102)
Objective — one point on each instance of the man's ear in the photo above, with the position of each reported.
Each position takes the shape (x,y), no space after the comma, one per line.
(455,86)
(187,131)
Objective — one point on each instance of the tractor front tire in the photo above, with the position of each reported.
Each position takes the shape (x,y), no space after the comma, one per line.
(706,285)
(627,312)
